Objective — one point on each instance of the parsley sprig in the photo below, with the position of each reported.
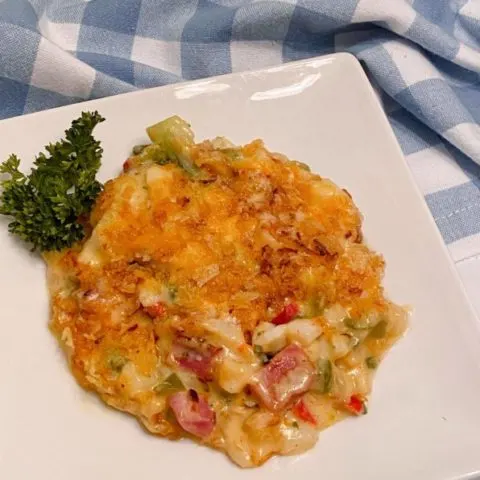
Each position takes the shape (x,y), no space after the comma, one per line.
(47,205)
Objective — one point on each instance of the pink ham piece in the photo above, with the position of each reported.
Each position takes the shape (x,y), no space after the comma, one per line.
(289,374)
(193,413)
(198,362)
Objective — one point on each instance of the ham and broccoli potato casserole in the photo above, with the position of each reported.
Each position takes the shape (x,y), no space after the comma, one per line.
(223,294)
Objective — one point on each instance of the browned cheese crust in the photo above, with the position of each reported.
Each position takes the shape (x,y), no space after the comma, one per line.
(182,275)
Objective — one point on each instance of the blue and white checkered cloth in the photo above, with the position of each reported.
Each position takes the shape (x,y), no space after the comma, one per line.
(423,56)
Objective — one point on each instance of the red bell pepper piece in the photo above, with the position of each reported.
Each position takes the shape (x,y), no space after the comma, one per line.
(356,405)
(289,312)
(301,410)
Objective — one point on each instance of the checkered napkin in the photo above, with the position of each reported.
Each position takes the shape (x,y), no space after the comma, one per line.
(423,57)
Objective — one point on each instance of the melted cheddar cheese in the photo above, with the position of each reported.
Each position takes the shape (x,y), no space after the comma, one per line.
(177,307)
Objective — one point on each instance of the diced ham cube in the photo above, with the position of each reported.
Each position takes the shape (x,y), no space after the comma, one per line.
(200,362)
(193,413)
(289,374)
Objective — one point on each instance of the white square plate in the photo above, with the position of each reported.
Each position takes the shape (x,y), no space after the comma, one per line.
(424,419)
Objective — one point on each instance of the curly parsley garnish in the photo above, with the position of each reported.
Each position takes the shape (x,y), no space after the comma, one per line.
(48,205)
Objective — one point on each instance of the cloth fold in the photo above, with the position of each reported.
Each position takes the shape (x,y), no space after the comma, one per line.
(422,56)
